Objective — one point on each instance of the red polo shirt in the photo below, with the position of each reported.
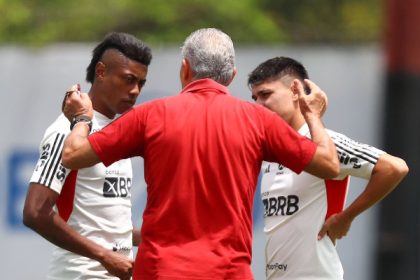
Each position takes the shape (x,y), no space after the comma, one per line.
(202,153)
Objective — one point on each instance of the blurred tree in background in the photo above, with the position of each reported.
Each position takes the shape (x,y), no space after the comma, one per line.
(39,22)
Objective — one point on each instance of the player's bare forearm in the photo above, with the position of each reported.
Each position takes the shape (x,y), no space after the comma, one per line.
(325,162)
(38,214)
(77,152)
(386,175)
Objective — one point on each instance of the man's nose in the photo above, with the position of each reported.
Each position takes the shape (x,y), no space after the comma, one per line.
(135,90)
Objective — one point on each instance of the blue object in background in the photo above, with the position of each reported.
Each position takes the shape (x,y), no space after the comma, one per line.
(20,165)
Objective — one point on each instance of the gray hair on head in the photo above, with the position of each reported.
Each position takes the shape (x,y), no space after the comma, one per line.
(211,55)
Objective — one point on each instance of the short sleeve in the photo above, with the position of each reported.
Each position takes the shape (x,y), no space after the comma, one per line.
(356,159)
(123,138)
(49,170)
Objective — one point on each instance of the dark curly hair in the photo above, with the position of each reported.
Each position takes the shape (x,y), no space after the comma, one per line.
(127,44)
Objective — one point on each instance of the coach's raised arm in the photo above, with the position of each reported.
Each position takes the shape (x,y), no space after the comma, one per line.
(77,152)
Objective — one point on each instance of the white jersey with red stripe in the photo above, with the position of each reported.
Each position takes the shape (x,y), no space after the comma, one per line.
(296,207)
(95,201)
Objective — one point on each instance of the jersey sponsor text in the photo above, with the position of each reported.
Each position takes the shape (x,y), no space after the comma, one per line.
(116,186)
(281,205)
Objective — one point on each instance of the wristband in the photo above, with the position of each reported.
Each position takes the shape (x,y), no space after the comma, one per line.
(81,118)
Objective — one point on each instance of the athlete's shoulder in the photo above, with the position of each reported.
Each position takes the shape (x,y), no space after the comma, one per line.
(61,126)
(342,141)
(339,138)
(356,159)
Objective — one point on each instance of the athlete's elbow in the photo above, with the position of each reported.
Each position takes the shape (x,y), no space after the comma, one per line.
(335,167)
(27,218)
(323,167)
(392,168)
(332,169)
(329,165)
(400,168)
(31,217)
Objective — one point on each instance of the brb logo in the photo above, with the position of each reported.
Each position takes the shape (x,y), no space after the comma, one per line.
(117,187)
(281,205)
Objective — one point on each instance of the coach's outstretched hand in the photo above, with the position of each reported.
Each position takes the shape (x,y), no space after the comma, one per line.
(77,103)
(315,103)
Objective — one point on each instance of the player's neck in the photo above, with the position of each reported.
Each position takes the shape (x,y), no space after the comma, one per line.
(297,122)
(99,105)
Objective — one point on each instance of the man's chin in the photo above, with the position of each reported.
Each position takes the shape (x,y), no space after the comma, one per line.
(126,107)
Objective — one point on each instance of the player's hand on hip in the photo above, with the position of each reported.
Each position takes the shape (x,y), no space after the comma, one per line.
(76,103)
(118,265)
(336,227)
(312,104)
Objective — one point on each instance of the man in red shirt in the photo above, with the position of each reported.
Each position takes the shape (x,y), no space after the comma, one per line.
(202,152)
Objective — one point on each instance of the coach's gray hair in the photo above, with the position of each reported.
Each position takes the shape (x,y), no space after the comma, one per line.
(211,55)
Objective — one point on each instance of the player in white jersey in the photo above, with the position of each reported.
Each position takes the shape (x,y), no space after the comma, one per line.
(93,201)
(301,209)
(86,213)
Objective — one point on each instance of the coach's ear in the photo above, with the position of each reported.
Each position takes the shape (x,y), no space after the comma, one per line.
(233,76)
(185,73)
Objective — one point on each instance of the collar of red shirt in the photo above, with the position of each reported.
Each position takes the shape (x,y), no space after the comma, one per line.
(205,85)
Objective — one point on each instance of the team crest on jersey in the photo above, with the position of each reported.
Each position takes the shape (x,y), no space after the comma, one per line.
(116,186)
